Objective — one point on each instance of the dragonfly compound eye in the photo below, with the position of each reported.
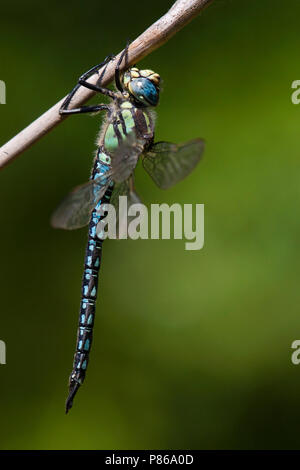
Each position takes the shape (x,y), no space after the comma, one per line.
(143,85)
(144,91)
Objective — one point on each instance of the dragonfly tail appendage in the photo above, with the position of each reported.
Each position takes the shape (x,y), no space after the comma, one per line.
(73,387)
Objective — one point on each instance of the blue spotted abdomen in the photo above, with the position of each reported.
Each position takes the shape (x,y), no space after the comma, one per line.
(129,124)
(90,282)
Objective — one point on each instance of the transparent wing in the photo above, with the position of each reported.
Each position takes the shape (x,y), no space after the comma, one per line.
(120,189)
(167,163)
(125,158)
(126,188)
(75,210)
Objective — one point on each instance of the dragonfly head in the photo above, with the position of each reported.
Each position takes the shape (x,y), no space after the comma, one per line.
(142,86)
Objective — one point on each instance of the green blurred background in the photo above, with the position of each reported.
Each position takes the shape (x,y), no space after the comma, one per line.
(191,349)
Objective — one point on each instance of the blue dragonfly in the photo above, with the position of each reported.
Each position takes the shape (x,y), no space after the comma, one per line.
(126,135)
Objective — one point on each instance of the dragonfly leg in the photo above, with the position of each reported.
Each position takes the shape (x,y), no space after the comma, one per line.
(117,69)
(96,68)
(85,109)
(83,79)
(82,82)
(103,91)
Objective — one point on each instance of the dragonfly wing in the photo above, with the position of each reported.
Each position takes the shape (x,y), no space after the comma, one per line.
(124,189)
(75,210)
(120,189)
(125,158)
(168,163)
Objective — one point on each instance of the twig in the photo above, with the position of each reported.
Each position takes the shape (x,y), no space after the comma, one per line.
(181,13)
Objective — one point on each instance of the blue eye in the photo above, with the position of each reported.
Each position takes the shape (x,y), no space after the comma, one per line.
(144,91)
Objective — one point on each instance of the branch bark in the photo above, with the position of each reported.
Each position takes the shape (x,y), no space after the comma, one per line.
(181,13)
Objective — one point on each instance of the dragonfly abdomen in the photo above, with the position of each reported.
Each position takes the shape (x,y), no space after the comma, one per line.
(89,287)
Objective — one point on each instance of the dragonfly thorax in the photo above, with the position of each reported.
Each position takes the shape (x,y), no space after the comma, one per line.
(127,126)
(142,86)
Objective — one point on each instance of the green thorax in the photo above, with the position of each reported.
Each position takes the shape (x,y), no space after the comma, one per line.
(127,123)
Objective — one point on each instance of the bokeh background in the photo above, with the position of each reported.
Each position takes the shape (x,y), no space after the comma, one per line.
(192,350)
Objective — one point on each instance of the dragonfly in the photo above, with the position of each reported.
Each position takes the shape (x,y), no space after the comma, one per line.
(126,136)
